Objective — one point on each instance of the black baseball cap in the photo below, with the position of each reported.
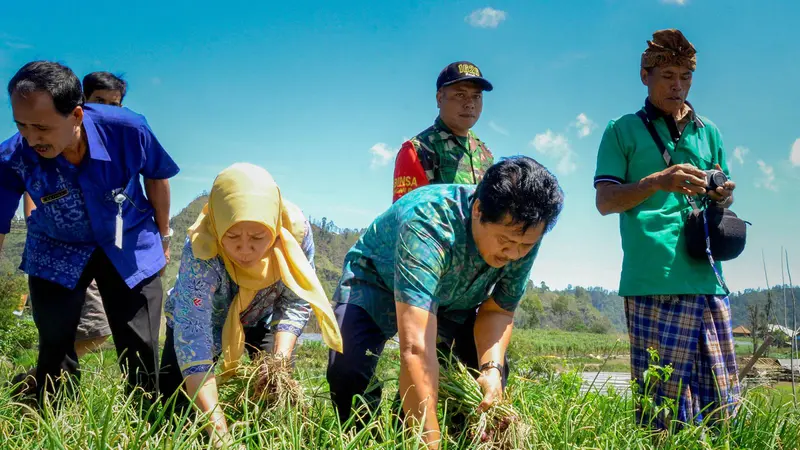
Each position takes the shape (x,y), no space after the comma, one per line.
(462,71)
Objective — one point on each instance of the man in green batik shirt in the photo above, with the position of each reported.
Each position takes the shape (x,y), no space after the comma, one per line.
(444,268)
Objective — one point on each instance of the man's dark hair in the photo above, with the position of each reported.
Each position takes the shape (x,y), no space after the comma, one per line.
(104,80)
(56,79)
(523,189)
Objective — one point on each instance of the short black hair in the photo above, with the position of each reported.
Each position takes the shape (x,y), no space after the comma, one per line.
(96,81)
(56,79)
(523,189)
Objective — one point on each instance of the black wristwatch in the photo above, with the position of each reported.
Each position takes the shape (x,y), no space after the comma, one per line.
(492,365)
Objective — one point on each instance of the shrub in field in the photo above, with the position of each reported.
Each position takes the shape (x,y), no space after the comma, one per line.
(538,367)
(17,334)
(17,337)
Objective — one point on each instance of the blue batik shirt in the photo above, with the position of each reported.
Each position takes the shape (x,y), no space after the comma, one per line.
(75,209)
(421,252)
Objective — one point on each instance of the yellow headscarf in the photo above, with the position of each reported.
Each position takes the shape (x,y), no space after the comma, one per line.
(245,192)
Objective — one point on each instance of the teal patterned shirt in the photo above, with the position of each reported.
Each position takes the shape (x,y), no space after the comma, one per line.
(421,252)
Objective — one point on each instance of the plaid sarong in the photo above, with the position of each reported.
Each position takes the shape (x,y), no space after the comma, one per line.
(692,333)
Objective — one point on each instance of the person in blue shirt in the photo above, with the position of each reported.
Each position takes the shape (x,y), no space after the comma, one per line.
(82,167)
(444,267)
(93,329)
(104,88)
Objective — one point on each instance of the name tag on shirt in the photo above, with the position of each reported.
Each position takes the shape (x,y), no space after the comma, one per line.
(55,196)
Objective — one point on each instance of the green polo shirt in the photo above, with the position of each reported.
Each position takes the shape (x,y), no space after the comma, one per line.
(655,260)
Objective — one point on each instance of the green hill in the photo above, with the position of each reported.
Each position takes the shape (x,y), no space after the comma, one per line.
(571,309)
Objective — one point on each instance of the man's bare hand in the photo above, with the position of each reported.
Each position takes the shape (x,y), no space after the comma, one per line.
(491,383)
(165,247)
(682,179)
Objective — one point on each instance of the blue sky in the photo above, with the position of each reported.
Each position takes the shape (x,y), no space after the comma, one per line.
(322,94)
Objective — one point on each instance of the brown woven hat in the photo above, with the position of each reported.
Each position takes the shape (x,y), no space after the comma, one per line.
(669,48)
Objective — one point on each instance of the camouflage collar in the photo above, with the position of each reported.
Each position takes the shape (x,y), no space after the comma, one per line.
(443,133)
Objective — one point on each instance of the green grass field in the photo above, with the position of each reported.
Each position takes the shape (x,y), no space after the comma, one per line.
(551,404)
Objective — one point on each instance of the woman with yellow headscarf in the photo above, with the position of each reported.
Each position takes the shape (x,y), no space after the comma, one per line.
(246,279)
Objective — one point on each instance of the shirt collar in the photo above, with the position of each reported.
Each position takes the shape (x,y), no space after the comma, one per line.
(97,150)
(654,113)
(443,133)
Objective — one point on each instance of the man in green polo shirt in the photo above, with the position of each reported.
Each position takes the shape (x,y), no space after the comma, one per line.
(673,303)
(448,151)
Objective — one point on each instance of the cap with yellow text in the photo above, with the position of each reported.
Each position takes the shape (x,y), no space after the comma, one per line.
(462,71)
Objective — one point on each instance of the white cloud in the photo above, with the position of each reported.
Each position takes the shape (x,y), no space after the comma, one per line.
(794,156)
(497,128)
(382,155)
(675,2)
(584,124)
(739,153)
(18,45)
(768,179)
(13,42)
(486,18)
(556,146)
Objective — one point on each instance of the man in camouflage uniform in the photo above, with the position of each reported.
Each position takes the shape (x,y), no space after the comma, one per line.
(448,152)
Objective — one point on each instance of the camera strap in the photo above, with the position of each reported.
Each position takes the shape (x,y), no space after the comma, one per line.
(711,257)
(661,147)
(668,159)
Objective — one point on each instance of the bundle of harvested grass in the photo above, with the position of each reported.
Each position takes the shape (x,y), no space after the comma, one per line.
(499,427)
(274,385)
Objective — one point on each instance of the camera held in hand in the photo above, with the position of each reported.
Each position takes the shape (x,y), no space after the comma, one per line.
(714,179)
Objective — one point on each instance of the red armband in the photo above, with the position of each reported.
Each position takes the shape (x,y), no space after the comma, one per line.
(408,172)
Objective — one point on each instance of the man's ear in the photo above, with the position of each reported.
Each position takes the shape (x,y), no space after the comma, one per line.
(476,210)
(77,113)
(644,74)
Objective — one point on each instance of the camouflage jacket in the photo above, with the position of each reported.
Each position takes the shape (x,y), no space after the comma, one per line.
(437,156)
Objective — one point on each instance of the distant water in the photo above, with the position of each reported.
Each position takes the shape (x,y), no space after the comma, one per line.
(603,381)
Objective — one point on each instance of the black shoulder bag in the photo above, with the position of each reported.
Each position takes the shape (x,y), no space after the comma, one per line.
(712,232)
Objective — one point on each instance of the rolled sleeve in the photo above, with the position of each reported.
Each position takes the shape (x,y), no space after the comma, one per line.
(419,264)
(612,163)
(512,284)
(192,307)
(157,164)
(292,312)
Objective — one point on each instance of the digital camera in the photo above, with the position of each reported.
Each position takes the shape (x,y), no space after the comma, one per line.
(714,179)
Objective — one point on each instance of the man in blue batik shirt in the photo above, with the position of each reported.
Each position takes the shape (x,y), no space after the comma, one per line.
(81,165)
